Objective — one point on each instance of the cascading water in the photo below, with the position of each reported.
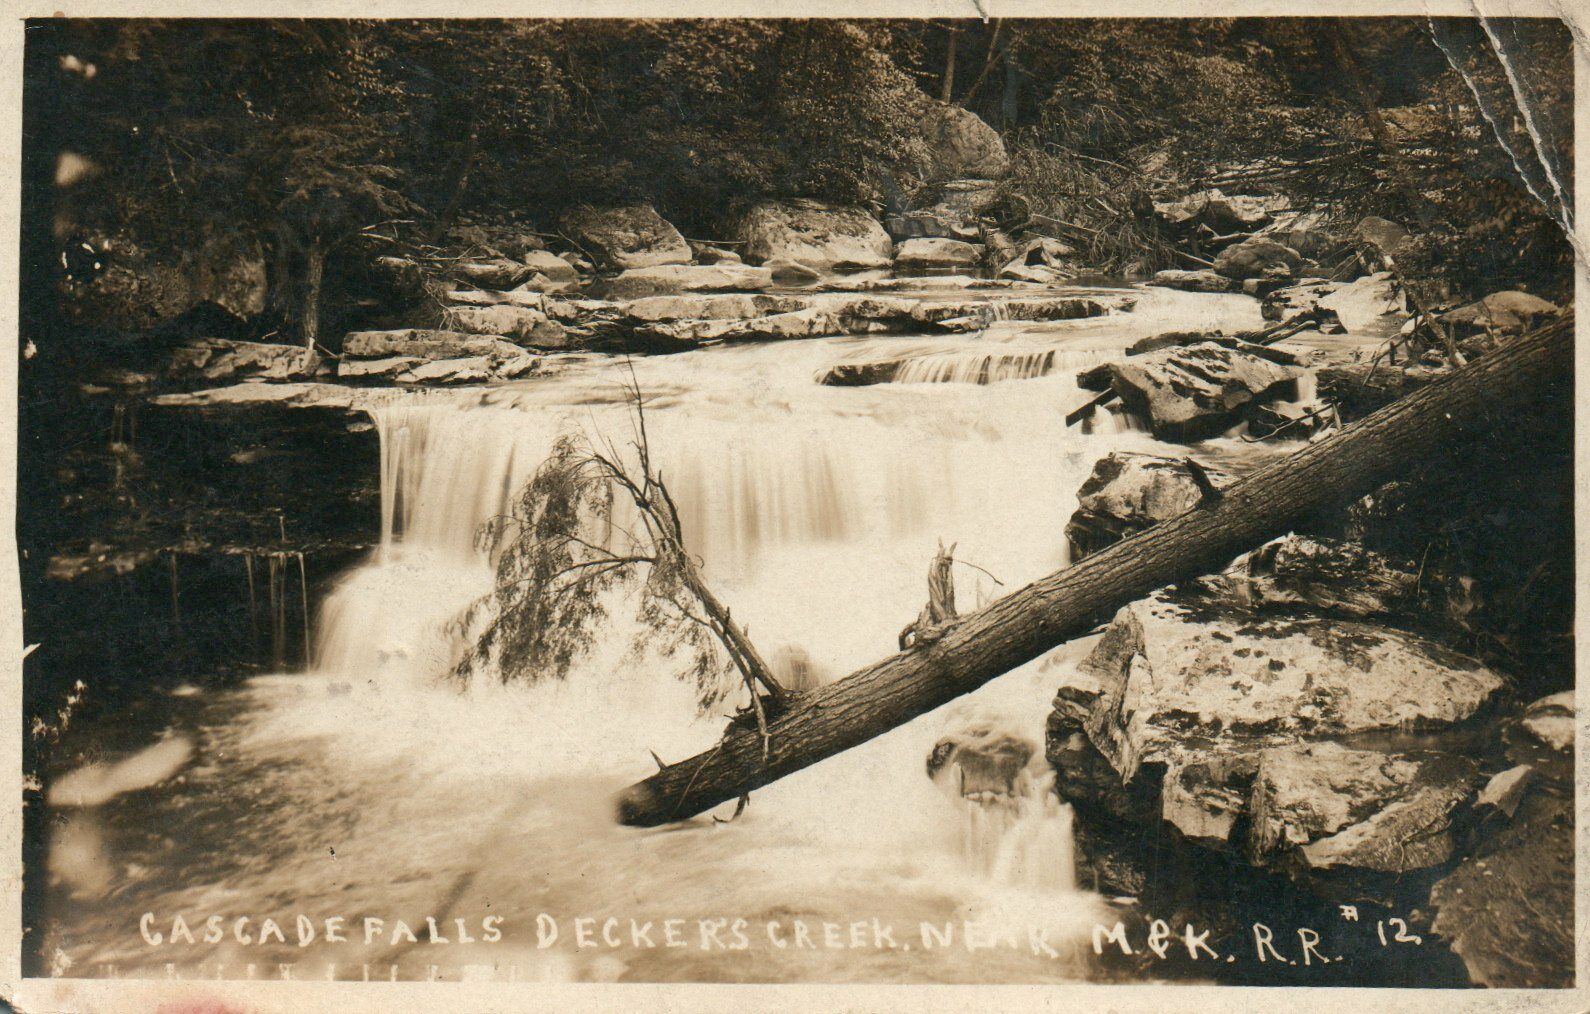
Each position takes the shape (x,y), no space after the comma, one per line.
(815,512)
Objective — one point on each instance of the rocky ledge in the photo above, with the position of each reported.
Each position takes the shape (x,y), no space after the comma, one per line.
(1302,715)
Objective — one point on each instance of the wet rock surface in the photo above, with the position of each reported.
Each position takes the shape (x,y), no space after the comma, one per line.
(1201,280)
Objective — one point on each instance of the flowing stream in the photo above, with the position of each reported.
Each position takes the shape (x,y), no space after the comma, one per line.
(370,788)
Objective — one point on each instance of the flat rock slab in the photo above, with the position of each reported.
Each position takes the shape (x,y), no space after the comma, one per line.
(525,325)
(1202,280)
(424,344)
(223,359)
(637,283)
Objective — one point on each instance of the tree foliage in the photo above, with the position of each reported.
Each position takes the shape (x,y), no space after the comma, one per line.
(302,136)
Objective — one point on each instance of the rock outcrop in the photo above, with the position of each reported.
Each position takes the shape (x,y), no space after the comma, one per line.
(625,238)
(525,325)
(1200,390)
(962,145)
(221,359)
(1322,807)
(1181,678)
(1504,312)
(1127,493)
(1507,908)
(1202,280)
(1258,257)
(823,238)
(943,256)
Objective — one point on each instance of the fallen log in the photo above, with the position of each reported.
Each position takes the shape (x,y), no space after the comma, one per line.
(1069,603)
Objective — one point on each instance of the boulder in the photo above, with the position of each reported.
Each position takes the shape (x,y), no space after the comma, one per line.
(1202,280)
(1307,233)
(708,254)
(936,255)
(1549,722)
(1292,298)
(1383,234)
(221,359)
(1200,390)
(624,238)
(1370,305)
(424,345)
(1127,493)
(1197,688)
(523,324)
(1168,340)
(554,273)
(825,238)
(498,273)
(787,272)
(1508,312)
(1039,259)
(1258,257)
(1324,807)
(1322,575)
(638,283)
(962,145)
(1036,274)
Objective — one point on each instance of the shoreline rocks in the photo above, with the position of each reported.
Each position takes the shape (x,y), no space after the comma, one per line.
(825,238)
(1196,391)
(624,238)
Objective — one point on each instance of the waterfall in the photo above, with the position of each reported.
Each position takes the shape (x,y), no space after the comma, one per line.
(445,471)
(813,512)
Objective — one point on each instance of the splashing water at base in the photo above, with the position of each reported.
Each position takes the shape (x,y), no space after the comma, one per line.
(373,788)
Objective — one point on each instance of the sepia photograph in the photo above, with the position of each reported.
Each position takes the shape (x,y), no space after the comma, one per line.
(1002,501)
